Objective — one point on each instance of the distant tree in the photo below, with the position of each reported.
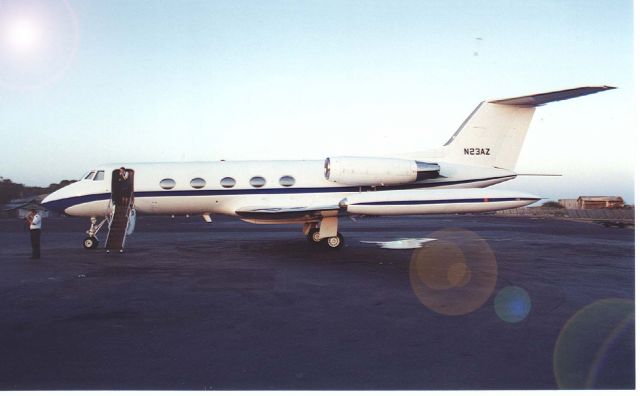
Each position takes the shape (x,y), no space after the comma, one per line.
(55,186)
(10,190)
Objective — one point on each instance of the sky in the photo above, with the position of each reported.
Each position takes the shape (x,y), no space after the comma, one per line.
(89,82)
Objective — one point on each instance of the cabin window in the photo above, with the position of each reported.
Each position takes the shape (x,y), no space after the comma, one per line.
(90,175)
(257,181)
(99,175)
(167,184)
(198,182)
(287,181)
(228,182)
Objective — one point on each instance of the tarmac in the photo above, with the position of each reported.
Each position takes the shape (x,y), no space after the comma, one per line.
(486,303)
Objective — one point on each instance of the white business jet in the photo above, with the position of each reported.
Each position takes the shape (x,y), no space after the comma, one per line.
(481,153)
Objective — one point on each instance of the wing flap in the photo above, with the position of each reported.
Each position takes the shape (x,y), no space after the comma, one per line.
(298,213)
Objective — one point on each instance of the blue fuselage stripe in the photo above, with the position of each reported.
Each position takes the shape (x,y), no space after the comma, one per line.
(60,205)
(443,201)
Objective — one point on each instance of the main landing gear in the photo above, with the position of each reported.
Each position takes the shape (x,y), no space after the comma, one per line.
(91,241)
(335,242)
(314,235)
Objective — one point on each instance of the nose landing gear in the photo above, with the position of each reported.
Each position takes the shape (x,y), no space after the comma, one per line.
(91,241)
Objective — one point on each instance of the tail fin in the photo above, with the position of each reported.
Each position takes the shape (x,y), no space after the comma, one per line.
(494,133)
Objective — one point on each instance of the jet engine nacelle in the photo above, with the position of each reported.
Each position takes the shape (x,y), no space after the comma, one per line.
(369,171)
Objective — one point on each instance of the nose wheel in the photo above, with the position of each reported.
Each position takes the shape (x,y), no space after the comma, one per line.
(90,242)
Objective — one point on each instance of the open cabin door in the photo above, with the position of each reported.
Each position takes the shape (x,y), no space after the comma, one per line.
(121,186)
(122,216)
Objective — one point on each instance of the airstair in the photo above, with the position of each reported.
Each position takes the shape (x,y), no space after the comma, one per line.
(122,214)
(120,221)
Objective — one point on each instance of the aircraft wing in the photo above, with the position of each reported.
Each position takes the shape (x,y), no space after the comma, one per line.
(297,213)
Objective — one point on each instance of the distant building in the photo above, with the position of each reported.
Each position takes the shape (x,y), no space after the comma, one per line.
(593,202)
(569,203)
(600,202)
(20,207)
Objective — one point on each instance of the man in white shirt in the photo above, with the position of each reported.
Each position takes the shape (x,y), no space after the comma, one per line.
(35,225)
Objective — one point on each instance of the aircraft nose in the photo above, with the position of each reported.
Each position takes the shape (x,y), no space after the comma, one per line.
(55,202)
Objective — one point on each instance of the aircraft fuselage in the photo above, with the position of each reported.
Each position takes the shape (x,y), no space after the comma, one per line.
(197,187)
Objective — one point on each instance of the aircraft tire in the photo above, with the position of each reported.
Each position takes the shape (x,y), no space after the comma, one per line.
(314,235)
(335,242)
(90,243)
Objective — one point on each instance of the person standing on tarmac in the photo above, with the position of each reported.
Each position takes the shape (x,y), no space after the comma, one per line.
(35,226)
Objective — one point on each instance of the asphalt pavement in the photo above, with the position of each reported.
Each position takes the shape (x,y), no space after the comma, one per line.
(486,303)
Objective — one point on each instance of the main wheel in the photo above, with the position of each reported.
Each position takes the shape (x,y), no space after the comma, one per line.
(90,243)
(335,242)
(314,235)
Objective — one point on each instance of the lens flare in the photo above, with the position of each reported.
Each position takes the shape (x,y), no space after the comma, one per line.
(38,42)
(23,35)
(455,274)
(512,304)
(595,349)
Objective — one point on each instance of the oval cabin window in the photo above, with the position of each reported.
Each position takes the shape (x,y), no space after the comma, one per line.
(287,181)
(257,181)
(167,184)
(228,182)
(198,182)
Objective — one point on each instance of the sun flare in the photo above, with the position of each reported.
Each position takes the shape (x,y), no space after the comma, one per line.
(38,41)
(23,35)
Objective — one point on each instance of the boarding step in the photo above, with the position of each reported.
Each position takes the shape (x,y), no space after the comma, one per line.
(118,227)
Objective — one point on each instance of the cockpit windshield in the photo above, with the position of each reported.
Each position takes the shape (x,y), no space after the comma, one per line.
(94,175)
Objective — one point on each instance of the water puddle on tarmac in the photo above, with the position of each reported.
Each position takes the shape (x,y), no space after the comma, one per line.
(404,243)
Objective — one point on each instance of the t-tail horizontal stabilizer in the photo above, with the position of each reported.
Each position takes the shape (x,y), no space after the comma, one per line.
(493,134)
(548,97)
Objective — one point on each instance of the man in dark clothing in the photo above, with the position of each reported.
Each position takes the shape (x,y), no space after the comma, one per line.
(123,186)
(35,225)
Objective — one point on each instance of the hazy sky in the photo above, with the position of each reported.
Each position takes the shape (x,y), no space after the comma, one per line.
(88,82)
